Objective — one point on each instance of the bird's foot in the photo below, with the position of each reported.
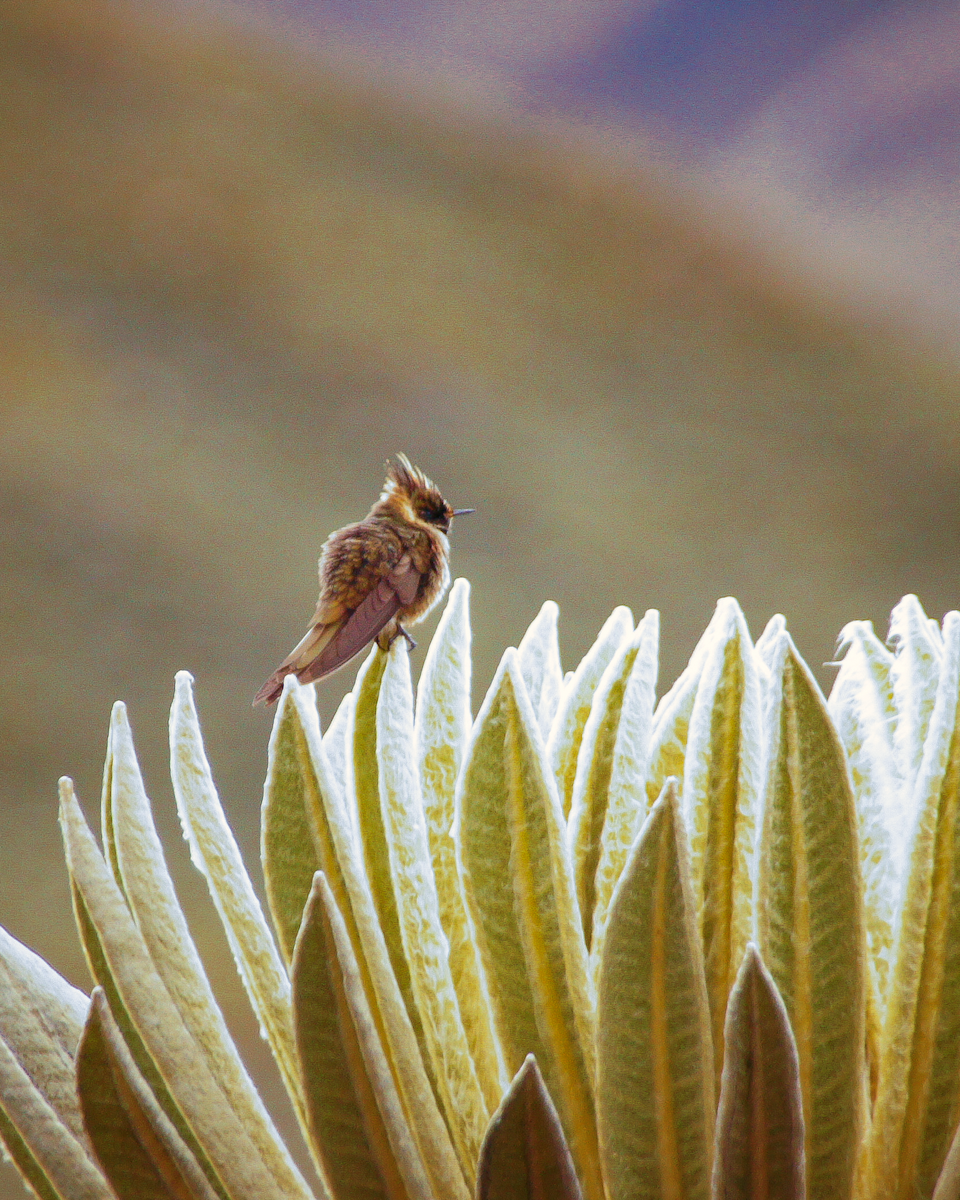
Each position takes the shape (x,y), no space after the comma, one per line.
(386,639)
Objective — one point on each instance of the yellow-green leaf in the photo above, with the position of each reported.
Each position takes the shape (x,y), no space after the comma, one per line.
(525,1155)
(41,1019)
(916,667)
(424,942)
(51,1160)
(769,640)
(810,916)
(721,797)
(601,741)
(918,1098)
(215,853)
(369,816)
(655,1091)
(140,1151)
(519,887)
(300,784)
(142,874)
(539,654)
(163,1048)
(566,733)
(441,730)
(671,723)
(759,1147)
(338,747)
(345,1118)
(864,712)
(626,805)
(339,854)
(287,848)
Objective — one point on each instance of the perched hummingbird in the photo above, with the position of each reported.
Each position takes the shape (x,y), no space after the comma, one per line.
(376,576)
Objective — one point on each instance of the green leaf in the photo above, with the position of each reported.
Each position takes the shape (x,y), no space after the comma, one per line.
(343,1102)
(721,802)
(164,1050)
(338,748)
(810,916)
(595,764)
(339,854)
(441,731)
(519,887)
(373,840)
(287,849)
(566,733)
(139,1149)
(214,852)
(768,642)
(671,722)
(539,654)
(864,712)
(141,872)
(918,1096)
(525,1155)
(41,1019)
(655,1092)
(626,805)
(425,945)
(916,666)
(51,1159)
(759,1148)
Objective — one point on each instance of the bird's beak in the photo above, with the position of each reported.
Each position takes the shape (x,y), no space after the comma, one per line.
(462,512)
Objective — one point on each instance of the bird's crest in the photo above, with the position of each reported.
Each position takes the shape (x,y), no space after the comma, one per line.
(407,483)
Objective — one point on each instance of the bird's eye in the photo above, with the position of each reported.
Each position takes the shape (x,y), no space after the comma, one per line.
(433,515)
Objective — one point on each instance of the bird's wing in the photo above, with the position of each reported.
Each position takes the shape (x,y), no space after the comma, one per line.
(368,619)
(328,646)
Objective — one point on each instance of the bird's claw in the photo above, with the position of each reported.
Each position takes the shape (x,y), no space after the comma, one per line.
(385,640)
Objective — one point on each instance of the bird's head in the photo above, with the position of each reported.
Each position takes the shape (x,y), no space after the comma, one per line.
(411,495)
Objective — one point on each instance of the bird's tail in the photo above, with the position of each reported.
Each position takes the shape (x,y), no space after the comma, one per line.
(296,662)
(270,692)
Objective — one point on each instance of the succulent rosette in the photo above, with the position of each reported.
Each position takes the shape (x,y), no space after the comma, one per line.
(587,944)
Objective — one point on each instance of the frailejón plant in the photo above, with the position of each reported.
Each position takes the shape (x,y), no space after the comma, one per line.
(584,946)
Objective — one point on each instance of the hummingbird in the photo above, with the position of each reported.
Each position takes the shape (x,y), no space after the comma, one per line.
(376,577)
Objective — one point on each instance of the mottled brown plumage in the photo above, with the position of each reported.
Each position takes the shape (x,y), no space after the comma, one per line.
(376,577)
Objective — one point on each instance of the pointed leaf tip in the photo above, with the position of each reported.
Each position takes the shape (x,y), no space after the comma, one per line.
(525,1155)
(721,795)
(135,854)
(810,916)
(539,656)
(214,851)
(345,1095)
(615,737)
(519,886)
(566,732)
(137,1145)
(655,1077)
(760,1115)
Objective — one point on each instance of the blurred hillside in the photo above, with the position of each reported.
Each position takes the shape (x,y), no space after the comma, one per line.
(235,279)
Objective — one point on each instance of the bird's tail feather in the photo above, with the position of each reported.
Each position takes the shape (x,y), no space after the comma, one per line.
(296,662)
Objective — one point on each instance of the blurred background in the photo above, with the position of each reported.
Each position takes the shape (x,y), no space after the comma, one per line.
(668,291)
